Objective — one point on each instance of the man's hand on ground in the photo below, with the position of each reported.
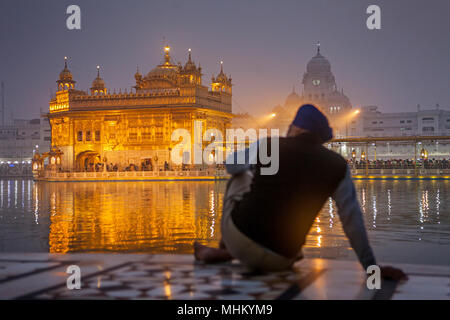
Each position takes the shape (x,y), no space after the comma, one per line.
(391,273)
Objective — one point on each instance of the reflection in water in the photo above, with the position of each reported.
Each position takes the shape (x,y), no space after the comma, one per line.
(136,216)
(403,222)
(169,216)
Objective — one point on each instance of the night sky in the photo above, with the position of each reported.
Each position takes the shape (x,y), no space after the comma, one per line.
(265,45)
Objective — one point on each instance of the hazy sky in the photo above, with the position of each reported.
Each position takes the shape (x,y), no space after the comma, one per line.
(265,45)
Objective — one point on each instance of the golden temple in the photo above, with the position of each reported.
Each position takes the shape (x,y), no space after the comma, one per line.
(134,128)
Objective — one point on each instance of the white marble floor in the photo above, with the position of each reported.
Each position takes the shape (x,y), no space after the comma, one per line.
(141,276)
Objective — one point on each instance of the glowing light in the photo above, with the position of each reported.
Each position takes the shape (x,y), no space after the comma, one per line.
(166,48)
(189,49)
(167,288)
(273,115)
(357,111)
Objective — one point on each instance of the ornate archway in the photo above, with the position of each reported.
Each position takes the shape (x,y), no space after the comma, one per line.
(86,160)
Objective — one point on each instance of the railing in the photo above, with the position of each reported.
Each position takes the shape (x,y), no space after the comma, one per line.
(221,174)
(112,175)
(400,172)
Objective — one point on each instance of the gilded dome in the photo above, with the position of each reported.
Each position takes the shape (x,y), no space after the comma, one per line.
(163,71)
(166,69)
(98,82)
(190,65)
(65,74)
(137,75)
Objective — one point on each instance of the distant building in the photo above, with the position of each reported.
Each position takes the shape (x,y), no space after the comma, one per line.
(320,88)
(424,122)
(18,142)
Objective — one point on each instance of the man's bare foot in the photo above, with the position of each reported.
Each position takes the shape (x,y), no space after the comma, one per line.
(210,255)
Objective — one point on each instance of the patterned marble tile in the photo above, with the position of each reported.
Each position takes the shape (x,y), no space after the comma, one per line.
(10,269)
(179,277)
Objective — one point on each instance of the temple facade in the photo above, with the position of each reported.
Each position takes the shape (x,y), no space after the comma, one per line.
(123,129)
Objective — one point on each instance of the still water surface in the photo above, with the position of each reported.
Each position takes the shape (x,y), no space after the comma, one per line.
(408,221)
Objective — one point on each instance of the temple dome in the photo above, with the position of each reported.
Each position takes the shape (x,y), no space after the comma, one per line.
(137,75)
(65,74)
(190,65)
(293,99)
(166,69)
(163,71)
(98,82)
(318,64)
(98,85)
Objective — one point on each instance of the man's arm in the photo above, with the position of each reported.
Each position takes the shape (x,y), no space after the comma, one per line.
(352,220)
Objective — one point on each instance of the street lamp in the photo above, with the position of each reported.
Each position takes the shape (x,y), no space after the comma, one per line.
(363,156)
(423,154)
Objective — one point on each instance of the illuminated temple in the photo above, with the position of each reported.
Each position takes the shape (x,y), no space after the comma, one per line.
(135,127)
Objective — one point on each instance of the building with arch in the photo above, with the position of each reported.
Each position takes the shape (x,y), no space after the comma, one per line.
(133,127)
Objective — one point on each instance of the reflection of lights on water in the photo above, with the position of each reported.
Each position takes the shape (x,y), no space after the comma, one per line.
(15,193)
(212,211)
(389,204)
(319,237)
(438,203)
(330,211)
(374,207)
(423,207)
(167,288)
(29,192)
(36,204)
(427,207)
(9,194)
(23,193)
(99,278)
(363,202)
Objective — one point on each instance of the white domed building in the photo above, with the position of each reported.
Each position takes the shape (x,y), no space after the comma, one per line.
(319,89)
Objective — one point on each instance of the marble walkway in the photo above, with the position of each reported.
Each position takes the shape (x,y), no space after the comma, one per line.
(141,276)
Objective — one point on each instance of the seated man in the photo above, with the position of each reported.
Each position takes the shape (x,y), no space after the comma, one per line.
(266,218)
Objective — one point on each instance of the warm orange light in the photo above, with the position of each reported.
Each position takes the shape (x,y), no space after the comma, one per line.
(273,115)
(166,48)
(357,111)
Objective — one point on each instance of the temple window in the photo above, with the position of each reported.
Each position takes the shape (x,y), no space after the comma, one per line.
(133,136)
(97,135)
(88,135)
(80,135)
